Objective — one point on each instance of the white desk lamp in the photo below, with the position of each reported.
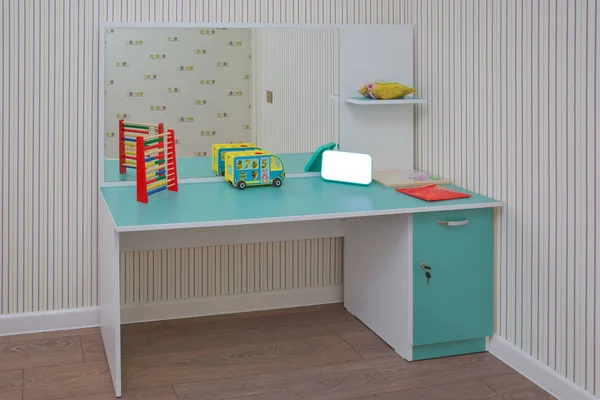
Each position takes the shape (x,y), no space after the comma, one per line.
(341,166)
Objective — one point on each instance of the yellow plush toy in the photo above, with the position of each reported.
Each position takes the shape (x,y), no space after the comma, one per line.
(385,90)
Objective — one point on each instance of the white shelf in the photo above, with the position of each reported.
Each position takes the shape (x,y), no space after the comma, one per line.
(363,101)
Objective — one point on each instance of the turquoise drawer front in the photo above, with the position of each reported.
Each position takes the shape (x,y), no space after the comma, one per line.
(457,303)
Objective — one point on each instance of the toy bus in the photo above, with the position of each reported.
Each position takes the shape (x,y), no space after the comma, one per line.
(253,168)
(219,151)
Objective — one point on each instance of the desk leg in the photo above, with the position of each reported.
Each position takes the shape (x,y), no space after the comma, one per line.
(377,289)
(110,303)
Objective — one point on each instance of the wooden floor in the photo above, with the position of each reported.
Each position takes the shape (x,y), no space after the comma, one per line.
(309,353)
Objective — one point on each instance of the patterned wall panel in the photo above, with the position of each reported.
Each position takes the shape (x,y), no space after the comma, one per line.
(196,81)
(512,97)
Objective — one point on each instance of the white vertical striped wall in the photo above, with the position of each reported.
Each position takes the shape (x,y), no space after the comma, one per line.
(230,269)
(512,97)
(513,101)
(300,67)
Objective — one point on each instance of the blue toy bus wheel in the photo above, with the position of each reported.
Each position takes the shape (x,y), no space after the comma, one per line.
(277,182)
(241,185)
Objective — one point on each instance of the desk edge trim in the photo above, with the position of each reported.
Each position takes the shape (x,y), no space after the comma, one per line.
(312,217)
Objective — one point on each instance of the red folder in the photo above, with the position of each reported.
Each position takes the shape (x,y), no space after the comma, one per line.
(433,193)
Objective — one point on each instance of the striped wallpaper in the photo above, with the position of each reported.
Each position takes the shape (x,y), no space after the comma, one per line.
(230,269)
(512,97)
(300,67)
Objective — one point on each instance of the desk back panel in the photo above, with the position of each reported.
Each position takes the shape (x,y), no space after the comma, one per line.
(376,54)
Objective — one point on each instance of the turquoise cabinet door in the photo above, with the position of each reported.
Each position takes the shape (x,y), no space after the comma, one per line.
(457,303)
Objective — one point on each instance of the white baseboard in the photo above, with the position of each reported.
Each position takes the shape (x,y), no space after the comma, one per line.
(214,305)
(14,324)
(534,370)
(59,320)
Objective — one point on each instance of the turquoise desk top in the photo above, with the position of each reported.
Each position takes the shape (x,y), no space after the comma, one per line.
(200,167)
(220,204)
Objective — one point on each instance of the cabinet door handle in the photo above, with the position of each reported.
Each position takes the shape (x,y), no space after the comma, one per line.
(453,223)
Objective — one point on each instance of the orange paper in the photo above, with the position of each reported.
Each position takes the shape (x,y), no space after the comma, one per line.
(433,193)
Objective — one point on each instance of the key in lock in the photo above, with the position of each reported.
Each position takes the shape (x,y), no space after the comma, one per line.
(426,268)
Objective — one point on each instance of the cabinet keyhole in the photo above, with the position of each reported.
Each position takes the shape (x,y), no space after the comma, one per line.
(426,268)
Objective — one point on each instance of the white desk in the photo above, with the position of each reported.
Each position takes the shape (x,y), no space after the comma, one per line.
(387,236)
